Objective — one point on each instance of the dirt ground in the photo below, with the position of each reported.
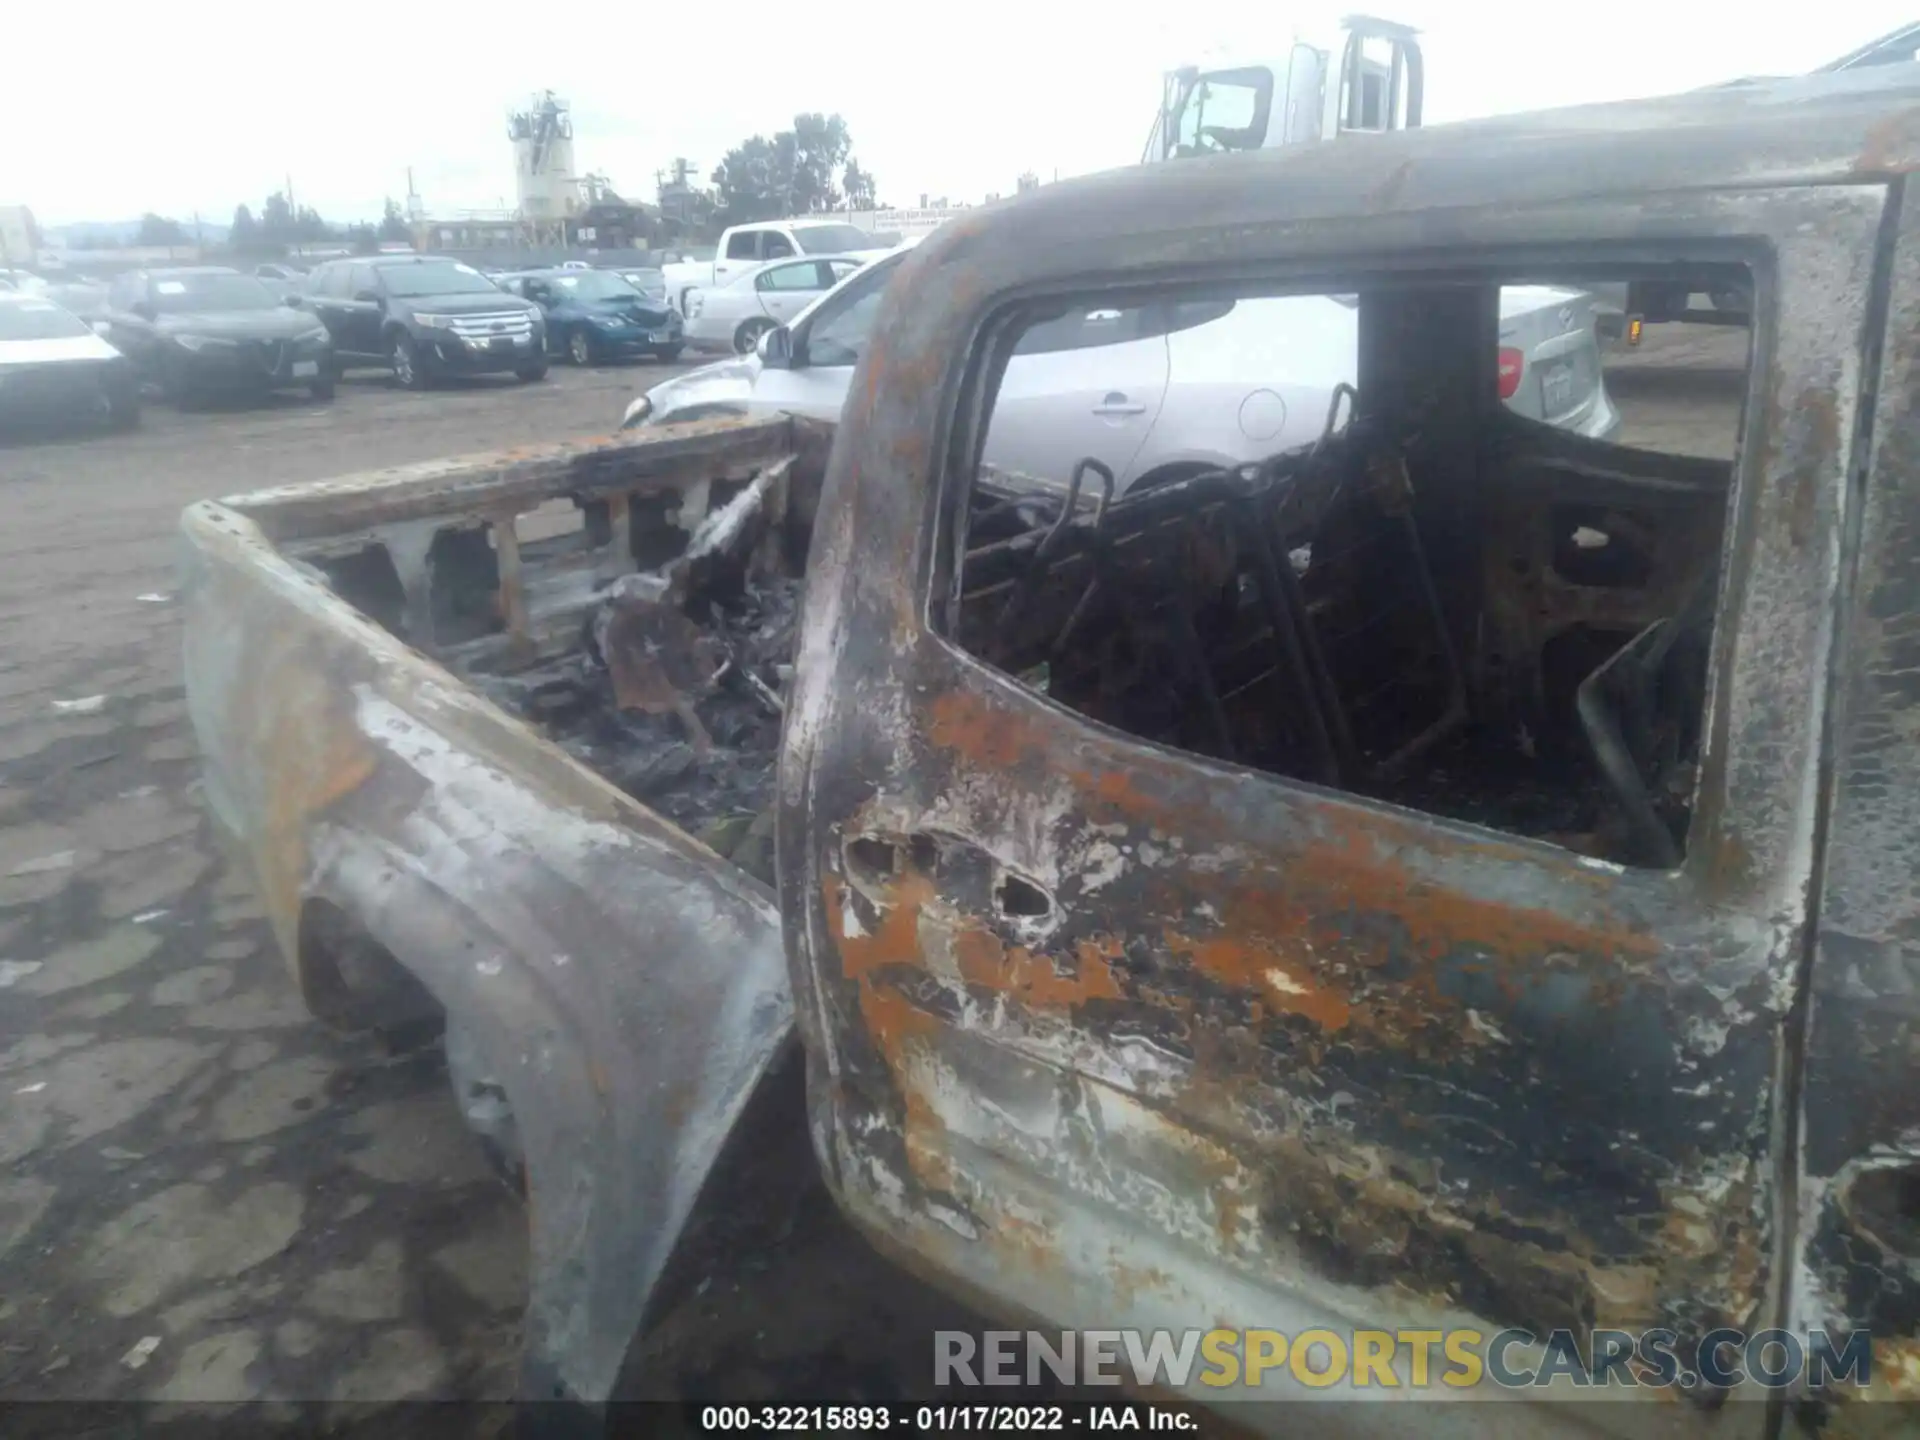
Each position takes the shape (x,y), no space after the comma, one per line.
(203,1195)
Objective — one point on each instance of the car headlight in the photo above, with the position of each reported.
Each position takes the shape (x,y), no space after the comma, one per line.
(434,322)
(637,413)
(198,343)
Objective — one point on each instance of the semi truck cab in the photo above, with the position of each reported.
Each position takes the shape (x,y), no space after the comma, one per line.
(1365,75)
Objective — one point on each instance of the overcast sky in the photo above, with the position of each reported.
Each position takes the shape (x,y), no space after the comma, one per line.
(205,106)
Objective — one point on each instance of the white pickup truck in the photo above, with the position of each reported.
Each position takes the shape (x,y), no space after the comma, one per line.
(742,247)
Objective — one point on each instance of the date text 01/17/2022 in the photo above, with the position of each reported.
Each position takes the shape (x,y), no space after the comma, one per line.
(913,1419)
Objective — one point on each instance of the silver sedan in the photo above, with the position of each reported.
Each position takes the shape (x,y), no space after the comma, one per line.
(1156,391)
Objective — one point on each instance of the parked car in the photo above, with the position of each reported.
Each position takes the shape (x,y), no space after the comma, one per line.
(1154,393)
(747,247)
(595,315)
(85,298)
(201,328)
(426,318)
(77,294)
(734,315)
(52,361)
(274,272)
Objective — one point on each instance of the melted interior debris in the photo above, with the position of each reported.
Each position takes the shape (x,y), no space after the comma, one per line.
(1328,616)
(721,794)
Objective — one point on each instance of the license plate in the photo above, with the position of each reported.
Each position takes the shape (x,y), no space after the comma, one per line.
(1556,386)
(660,337)
(305,369)
(503,342)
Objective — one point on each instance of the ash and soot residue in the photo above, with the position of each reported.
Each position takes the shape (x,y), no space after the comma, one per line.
(676,692)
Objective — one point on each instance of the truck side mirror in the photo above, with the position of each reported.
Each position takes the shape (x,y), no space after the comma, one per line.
(776,348)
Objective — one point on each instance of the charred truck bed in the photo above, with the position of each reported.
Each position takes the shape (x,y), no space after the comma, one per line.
(648,632)
(613,993)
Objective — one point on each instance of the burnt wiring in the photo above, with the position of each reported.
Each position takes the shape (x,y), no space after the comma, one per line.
(1043,553)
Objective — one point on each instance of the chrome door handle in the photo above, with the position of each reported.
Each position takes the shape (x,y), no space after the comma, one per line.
(1117,404)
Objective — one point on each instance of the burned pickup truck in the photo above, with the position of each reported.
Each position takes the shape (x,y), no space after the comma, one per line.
(1452,874)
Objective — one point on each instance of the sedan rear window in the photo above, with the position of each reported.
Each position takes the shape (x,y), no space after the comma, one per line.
(38,320)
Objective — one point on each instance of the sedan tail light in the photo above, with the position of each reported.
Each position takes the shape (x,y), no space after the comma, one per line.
(1513,364)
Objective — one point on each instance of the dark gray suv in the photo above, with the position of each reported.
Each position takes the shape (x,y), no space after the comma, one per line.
(425,318)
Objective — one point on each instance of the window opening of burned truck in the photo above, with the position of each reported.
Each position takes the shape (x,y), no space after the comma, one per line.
(1473,597)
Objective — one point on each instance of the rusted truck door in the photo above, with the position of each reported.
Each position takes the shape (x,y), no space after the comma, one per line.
(1121,1036)
(1857,1253)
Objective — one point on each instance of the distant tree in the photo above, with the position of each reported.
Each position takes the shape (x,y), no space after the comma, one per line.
(157,230)
(307,225)
(364,239)
(393,225)
(243,236)
(821,147)
(276,220)
(747,185)
(860,187)
(791,174)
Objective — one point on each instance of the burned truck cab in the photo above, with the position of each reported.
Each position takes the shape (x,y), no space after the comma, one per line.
(1451,873)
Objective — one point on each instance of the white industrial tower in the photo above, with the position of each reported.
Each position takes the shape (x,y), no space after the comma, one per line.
(542,136)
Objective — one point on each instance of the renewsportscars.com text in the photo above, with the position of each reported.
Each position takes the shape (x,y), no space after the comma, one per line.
(1393,1359)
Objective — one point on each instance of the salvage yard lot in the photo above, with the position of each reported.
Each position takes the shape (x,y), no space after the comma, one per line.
(202,1195)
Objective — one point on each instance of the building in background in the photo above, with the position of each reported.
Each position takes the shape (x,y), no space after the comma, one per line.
(558,213)
(546,185)
(905,224)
